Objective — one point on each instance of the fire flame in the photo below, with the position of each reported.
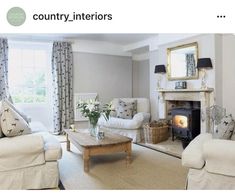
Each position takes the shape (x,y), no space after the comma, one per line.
(180,121)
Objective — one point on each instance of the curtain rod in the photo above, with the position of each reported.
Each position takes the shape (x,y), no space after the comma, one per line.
(38,40)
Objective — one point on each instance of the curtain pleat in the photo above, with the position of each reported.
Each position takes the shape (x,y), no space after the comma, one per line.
(4,90)
(62,74)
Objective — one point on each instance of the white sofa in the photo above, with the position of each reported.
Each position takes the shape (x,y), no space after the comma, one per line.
(30,161)
(132,128)
(211,163)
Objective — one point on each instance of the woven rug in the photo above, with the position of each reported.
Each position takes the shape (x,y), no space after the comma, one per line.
(149,169)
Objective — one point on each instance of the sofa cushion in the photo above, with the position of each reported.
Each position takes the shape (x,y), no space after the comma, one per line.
(143,104)
(126,110)
(24,116)
(119,123)
(52,146)
(37,126)
(225,129)
(12,123)
(233,136)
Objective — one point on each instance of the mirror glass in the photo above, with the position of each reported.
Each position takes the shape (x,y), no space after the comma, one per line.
(182,61)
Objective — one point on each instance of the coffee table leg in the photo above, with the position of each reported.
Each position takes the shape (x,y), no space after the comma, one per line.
(128,152)
(68,142)
(86,159)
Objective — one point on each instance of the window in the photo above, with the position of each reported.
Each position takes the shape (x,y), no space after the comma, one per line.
(28,72)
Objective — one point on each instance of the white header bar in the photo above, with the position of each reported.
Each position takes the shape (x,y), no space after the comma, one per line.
(122,16)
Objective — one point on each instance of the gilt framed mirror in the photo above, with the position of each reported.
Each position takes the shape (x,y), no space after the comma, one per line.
(182,62)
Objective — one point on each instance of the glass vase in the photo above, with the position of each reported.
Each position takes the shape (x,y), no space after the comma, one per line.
(93,127)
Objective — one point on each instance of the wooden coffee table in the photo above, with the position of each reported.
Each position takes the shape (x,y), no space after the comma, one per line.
(90,146)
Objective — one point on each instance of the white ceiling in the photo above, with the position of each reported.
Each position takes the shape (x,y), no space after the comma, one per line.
(121,39)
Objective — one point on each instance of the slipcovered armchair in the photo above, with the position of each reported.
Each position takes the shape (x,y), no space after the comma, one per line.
(210,162)
(132,128)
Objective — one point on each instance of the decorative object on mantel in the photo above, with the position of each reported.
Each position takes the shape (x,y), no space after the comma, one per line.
(203,64)
(160,69)
(180,85)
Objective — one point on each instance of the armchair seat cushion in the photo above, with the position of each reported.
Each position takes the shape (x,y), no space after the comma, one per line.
(120,123)
(52,146)
(192,156)
(220,156)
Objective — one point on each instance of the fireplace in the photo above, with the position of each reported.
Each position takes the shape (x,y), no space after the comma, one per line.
(185,123)
(204,96)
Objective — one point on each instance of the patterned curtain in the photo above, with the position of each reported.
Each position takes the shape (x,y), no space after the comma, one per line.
(191,69)
(62,72)
(4,92)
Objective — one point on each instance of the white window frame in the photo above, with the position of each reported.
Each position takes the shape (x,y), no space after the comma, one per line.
(48,48)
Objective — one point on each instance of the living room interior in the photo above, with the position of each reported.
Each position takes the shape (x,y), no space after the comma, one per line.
(163,104)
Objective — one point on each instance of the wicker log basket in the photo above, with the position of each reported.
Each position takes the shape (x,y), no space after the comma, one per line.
(156,131)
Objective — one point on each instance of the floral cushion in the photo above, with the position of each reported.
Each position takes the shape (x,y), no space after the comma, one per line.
(126,110)
(225,129)
(12,122)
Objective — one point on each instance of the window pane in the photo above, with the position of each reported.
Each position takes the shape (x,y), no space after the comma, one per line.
(27,74)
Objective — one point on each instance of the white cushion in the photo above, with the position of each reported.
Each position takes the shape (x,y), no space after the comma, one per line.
(119,123)
(37,126)
(220,156)
(12,123)
(192,156)
(52,146)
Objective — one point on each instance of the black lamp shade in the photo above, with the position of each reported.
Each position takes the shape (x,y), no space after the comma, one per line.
(160,69)
(204,63)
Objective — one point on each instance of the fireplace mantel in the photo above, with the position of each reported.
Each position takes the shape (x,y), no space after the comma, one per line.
(186,90)
(204,96)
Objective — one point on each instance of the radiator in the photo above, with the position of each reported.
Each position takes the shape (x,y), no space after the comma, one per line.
(81,96)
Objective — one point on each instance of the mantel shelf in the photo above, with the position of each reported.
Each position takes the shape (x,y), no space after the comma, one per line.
(185,90)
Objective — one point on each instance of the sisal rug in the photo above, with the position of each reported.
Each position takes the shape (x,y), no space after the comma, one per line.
(149,169)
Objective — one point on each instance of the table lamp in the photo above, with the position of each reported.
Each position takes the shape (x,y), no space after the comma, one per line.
(159,69)
(203,64)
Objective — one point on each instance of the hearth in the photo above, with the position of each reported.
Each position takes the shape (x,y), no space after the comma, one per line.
(185,123)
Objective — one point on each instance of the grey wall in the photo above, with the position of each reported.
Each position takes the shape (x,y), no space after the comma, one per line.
(228,72)
(140,84)
(109,76)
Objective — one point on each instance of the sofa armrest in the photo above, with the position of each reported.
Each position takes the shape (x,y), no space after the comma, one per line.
(192,156)
(21,151)
(142,117)
(146,117)
(220,156)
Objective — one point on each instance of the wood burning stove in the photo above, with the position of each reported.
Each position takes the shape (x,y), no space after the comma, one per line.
(185,123)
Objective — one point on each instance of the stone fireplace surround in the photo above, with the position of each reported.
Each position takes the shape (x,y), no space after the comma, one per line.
(204,96)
